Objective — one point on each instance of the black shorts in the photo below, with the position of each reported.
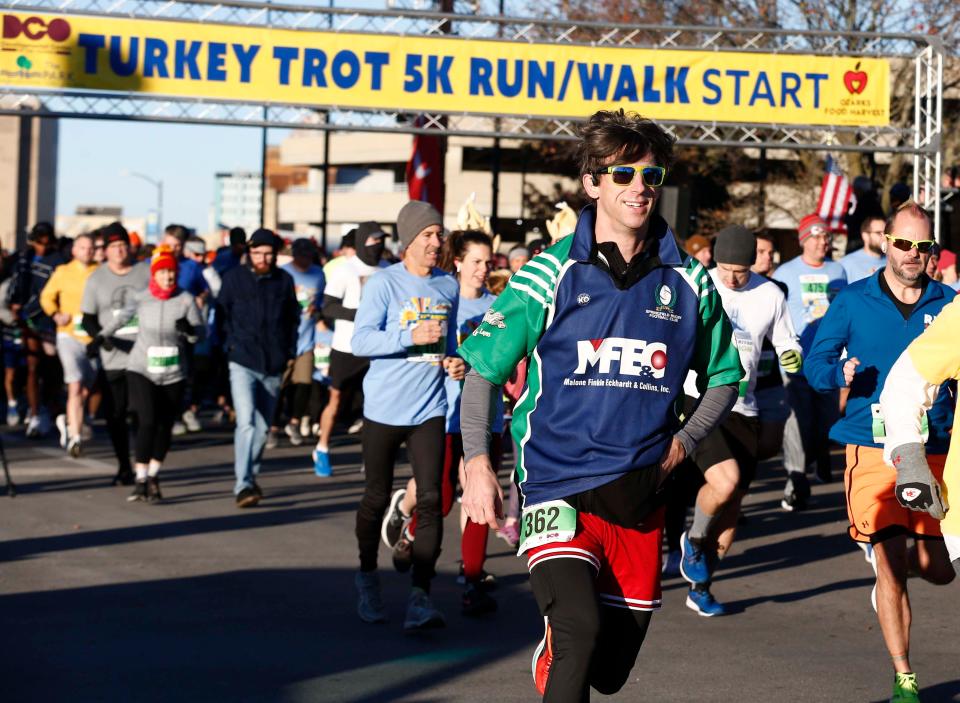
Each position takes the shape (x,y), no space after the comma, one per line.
(737,438)
(347,370)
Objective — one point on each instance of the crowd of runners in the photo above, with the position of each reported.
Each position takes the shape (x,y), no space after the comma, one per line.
(633,382)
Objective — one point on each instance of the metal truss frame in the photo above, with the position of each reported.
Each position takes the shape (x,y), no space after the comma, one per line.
(921,139)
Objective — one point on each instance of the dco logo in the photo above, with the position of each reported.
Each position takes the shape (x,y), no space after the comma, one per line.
(35,28)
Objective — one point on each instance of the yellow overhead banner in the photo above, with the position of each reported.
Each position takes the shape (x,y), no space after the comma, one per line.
(414,74)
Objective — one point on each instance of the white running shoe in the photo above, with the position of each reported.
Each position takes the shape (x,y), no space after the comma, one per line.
(355,427)
(271,442)
(293,433)
(394,521)
(191,422)
(179,429)
(62,429)
(871,559)
(31,422)
(305,426)
(13,415)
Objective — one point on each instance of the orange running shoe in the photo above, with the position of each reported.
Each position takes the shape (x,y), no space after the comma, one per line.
(542,659)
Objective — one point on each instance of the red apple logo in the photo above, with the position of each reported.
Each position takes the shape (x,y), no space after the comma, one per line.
(855,80)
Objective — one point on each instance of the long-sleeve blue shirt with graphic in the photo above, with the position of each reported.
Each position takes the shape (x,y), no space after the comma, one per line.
(405,383)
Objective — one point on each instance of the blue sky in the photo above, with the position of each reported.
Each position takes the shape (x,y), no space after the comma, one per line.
(93,153)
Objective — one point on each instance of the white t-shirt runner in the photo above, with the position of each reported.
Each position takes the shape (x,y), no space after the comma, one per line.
(756,311)
(346,282)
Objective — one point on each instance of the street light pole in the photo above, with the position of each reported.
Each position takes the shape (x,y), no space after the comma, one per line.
(156,183)
(263,155)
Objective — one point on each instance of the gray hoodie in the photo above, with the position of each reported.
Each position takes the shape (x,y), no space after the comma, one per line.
(158,352)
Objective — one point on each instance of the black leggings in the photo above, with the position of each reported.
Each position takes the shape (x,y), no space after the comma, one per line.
(593,645)
(684,483)
(115,412)
(381,444)
(157,407)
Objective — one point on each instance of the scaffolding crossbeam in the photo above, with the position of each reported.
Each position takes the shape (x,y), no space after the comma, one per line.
(919,139)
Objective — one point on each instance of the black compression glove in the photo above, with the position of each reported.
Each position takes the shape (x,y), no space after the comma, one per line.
(93,348)
(183,327)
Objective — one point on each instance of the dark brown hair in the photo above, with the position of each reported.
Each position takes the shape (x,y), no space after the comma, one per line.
(767,237)
(625,136)
(178,231)
(455,245)
(870,218)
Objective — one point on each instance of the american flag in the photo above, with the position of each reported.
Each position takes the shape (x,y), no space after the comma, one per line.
(836,197)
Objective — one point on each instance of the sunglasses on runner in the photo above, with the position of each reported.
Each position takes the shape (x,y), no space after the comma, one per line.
(923,246)
(653,176)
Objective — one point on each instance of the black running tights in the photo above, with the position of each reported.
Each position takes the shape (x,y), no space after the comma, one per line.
(381,444)
(115,411)
(157,407)
(593,645)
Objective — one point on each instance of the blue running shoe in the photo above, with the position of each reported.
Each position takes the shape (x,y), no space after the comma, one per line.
(321,464)
(694,562)
(703,602)
(671,565)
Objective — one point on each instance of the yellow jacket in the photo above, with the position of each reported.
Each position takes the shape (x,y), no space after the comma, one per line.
(910,389)
(64,293)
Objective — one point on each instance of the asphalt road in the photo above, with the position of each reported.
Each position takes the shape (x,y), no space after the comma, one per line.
(195,600)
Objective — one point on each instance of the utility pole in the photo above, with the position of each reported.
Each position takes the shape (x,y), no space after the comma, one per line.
(495,170)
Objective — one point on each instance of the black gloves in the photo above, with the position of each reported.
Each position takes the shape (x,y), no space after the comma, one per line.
(184,328)
(99,342)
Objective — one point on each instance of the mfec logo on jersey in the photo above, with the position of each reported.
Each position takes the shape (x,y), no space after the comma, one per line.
(635,357)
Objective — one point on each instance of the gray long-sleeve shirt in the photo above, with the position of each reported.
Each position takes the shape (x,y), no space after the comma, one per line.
(106,295)
(157,353)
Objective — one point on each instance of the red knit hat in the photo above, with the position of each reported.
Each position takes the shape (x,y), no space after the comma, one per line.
(163,258)
(809,224)
(947,260)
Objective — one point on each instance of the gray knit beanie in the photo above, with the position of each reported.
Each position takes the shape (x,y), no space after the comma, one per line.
(736,245)
(415,217)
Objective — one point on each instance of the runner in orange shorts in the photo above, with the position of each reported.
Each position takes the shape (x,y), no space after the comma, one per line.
(865,330)
(872,506)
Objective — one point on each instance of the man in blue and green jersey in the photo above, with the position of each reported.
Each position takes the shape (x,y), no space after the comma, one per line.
(610,318)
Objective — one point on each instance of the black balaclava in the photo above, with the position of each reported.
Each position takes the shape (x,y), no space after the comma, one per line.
(370,253)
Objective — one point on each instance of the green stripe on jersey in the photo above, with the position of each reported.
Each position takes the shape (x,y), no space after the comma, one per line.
(515,322)
(715,358)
